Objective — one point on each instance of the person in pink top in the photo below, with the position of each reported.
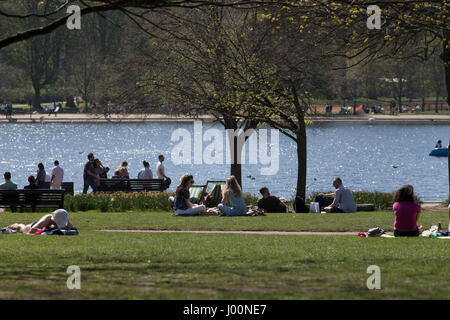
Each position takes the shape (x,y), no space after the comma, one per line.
(406,213)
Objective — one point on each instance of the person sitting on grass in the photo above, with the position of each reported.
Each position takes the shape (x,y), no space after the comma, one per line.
(183,206)
(58,219)
(406,213)
(233,193)
(270,203)
(343,199)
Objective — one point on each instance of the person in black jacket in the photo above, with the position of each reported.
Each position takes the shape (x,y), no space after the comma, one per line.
(270,203)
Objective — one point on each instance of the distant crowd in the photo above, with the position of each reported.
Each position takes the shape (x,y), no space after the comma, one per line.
(93,172)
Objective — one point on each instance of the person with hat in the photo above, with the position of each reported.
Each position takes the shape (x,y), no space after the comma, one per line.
(31,183)
(57,219)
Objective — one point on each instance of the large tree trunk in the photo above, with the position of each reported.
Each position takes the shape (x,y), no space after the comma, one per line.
(236,168)
(301,159)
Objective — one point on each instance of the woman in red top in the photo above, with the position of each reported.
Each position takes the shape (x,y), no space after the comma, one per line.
(406,213)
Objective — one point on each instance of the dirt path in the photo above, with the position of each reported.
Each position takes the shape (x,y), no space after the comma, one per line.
(284,233)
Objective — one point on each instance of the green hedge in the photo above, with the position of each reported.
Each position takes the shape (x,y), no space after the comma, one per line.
(381,200)
(118,202)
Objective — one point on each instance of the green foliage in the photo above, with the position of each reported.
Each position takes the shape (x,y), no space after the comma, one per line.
(250,200)
(118,202)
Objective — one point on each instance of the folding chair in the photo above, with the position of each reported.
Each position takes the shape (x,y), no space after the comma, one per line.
(196,193)
(217,192)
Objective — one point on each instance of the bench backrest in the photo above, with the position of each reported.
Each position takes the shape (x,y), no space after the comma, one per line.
(130,185)
(38,198)
(67,187)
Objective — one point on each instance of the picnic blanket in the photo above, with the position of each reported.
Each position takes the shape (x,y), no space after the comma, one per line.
(60,232)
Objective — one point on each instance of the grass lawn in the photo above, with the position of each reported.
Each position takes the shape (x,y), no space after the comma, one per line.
(222,266)
(360,221)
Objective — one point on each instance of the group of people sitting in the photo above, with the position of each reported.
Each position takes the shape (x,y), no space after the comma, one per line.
(232,193)
(42,180)
(94,171)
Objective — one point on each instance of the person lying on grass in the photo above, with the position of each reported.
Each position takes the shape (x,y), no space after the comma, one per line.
(58,219)
(406,213)
(183,206)
(233,193)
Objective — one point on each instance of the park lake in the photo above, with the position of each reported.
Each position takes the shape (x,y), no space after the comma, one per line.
(366,157)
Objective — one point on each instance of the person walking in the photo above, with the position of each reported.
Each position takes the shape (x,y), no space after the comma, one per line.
(57,176)
(160,172)
(90,178)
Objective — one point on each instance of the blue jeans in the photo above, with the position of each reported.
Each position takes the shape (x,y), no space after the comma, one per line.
(232,211)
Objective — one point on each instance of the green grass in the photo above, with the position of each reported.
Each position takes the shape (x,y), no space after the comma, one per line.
(219,266)
(360,221)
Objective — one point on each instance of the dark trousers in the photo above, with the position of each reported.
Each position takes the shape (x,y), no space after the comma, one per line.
(414,233)
(337,210)
(90,183)
(167,182)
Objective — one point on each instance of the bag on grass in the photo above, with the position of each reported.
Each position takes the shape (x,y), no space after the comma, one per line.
(375,232)
(314,207)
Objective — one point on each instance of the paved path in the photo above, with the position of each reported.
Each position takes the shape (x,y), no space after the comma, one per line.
(362,119)
(284,233)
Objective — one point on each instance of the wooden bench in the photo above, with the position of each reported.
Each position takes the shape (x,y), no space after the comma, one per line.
(130,185)
(67,187)
(38,198)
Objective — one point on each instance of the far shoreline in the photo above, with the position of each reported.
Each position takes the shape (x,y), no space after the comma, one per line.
(406,119)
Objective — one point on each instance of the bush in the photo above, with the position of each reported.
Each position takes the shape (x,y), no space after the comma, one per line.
(381,200)
(118,202)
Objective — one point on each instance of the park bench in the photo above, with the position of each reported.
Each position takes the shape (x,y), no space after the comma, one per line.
(67,187)
(130,185)
(38,198)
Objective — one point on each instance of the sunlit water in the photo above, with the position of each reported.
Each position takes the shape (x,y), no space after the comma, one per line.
(363,156)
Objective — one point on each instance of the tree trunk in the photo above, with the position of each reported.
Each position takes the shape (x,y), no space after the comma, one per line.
(301,159)
(446,59)
(37,97)
(236,168)
(436,103)
(400,94)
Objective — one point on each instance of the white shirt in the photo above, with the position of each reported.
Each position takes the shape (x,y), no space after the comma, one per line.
(58,174)
(160,170)
(145,173)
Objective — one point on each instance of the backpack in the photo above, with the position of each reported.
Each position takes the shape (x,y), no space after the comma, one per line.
(375,232)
